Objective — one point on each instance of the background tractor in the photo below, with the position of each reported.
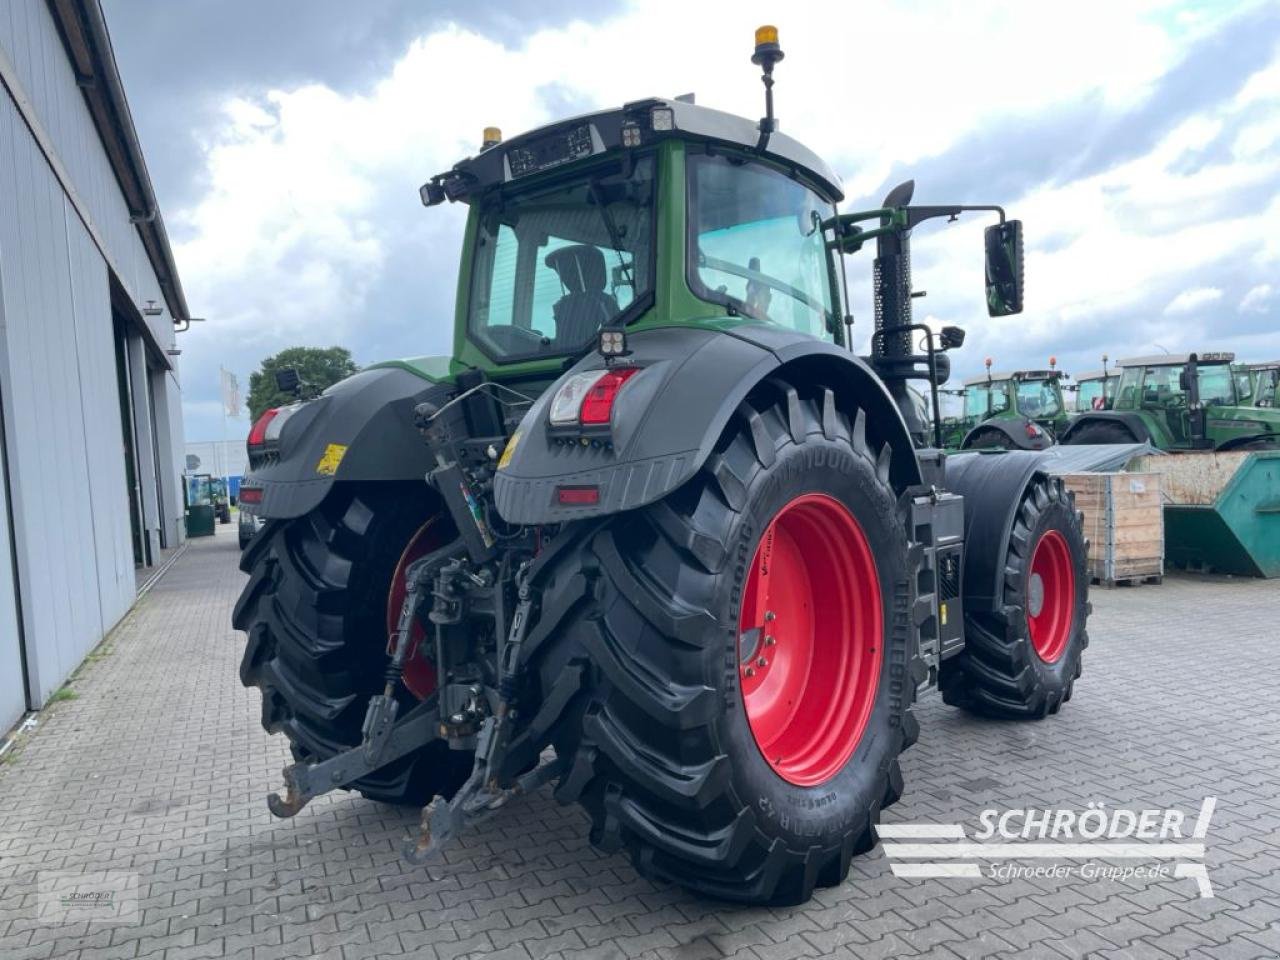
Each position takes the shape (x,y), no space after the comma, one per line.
(679,551)
(1022,410)
(1181,402)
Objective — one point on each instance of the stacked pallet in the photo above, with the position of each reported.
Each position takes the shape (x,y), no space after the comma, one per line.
(1124,521)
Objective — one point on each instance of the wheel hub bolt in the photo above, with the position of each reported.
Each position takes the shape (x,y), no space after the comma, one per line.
(769,640)
(750,671)
(762,662)
(769,615)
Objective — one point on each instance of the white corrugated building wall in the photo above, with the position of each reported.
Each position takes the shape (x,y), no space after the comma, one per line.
(91,443)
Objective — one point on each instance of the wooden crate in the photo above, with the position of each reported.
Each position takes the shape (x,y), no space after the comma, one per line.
(1124,521)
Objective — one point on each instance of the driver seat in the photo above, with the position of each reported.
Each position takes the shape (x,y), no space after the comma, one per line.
(586,306)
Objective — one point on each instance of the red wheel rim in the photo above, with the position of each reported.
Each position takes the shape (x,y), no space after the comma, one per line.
(419,672)
(809,639)
(1051,596)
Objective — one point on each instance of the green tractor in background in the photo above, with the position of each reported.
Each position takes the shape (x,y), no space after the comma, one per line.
(1022,410)
(1095,390)
(1182,401)
(679,552)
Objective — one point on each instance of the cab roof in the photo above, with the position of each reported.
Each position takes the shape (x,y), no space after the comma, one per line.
(1014,375)
(635,125)
(1177,359)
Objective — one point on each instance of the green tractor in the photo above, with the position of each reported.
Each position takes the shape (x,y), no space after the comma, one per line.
(1182,401)
(1095,390)
(1022,410)
(679,552)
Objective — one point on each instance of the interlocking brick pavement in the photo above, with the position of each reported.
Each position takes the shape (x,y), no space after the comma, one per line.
(160,767)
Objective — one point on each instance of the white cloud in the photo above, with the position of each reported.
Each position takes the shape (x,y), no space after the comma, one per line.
(1190,300)
(1256,300)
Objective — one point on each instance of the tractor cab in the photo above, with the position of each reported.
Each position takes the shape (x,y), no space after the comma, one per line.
(667,213)
(1170,392)
(563,236)
(1021,409)
(1095,390)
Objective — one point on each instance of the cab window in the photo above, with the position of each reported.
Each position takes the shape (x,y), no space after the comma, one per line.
(985,400)
(756,244)
(555,264)
(1216,384)
(1037,398)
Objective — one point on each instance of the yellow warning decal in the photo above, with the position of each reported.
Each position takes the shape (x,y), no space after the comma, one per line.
(333,455)
(510,449)
(943,609)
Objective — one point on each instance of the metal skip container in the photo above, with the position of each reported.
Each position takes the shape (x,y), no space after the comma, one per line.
(1221,510)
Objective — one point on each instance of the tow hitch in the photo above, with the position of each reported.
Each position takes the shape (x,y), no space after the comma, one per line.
(387,737)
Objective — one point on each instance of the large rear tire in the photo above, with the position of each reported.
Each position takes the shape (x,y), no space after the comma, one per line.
(989,439)
(744,659)
(1101,432)
(315,610)
(1022,661)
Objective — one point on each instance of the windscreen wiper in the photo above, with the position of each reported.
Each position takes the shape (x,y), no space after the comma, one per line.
(615,236)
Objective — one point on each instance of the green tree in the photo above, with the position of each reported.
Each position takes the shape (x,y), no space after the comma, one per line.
(319,368)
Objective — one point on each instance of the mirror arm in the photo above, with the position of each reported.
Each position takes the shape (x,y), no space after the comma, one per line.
(849,238)
(917,215)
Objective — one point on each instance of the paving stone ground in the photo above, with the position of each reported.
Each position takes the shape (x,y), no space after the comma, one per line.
(160,768)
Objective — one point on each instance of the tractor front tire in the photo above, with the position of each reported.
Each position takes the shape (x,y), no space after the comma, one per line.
(743,659)
(315,611)
(1021,662)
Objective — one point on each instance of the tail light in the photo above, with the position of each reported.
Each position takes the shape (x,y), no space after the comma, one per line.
(266,429)
(587,399)
(258,434)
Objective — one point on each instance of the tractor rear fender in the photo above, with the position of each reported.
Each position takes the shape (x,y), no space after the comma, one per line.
(1015,429)
(668,417)
(359,430)
(1128,418)
(992,485)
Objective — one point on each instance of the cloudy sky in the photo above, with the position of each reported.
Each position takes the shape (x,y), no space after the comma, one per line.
(1138,141)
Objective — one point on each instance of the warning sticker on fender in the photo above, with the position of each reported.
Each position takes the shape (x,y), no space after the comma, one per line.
(333,455)
(510,449)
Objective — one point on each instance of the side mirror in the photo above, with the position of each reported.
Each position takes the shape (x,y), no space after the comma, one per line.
(1184,381)
(1004,268)
(287,380)
(951,338)
(941,368)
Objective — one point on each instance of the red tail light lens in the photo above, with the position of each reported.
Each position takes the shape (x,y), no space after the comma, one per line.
(250,494)
(258,435)
(597,405)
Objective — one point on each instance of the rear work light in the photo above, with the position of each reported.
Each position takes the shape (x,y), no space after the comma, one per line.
(587,399)
(258,435)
